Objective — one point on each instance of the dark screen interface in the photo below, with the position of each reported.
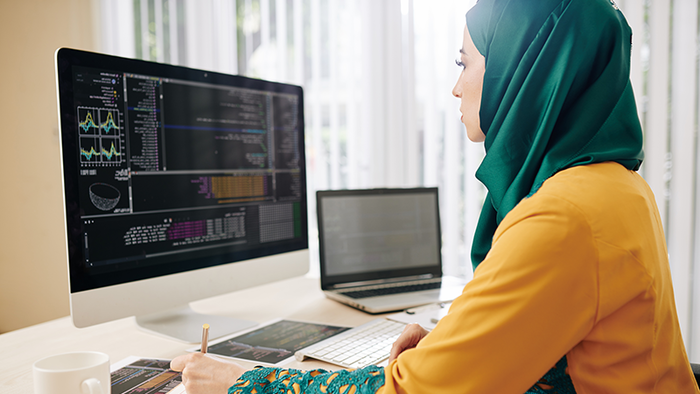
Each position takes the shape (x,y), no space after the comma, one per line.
(171,169)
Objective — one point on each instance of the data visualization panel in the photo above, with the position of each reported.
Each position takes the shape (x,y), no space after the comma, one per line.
(100,136)
(170,168)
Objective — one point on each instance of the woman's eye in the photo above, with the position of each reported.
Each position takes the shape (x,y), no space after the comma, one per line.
(459,63)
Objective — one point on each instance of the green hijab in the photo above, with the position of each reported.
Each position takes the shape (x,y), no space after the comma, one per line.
(556,95)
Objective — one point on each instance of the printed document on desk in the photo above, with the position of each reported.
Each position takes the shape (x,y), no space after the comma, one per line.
(134,375)
(272,343)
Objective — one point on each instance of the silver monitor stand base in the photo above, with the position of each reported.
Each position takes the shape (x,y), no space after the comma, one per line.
(184,324)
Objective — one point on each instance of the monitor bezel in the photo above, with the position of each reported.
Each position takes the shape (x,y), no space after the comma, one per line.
(81,279)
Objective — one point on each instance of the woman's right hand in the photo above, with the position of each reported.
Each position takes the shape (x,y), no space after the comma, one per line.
(202,373)
(408,339)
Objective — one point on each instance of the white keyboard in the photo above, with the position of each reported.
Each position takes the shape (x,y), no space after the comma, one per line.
(358,347)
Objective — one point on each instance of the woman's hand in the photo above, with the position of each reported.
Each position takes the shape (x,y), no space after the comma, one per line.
(204,374)
(408,339)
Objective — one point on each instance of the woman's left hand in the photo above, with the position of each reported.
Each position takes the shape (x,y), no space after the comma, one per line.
(204,374)
(409,338)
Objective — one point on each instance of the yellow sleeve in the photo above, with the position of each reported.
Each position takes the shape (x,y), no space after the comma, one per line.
(532,299)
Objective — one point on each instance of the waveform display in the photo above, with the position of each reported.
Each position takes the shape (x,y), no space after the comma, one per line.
(111,153)
(109,124)
(94,119)
(88,123)
(88,154)
(100,139)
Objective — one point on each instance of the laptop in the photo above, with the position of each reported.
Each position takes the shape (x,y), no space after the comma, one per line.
(380,249)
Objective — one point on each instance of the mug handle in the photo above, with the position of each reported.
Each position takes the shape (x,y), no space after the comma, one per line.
(91,386)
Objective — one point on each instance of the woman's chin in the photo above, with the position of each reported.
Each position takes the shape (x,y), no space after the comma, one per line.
(475,136)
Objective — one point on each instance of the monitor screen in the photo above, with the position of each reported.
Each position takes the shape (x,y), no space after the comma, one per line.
(168,169)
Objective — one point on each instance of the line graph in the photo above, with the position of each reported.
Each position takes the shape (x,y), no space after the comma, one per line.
(109,123)
(88,125)
(111,153)
(101,139)
(88,155)
(106,154)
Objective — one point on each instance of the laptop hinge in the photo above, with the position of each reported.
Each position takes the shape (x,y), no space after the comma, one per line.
(379,281)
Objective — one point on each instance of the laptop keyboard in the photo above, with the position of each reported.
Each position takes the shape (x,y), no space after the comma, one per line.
(358,347)
(379,291)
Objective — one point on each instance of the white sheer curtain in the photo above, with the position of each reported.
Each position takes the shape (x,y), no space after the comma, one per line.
(377,77)
(665,79)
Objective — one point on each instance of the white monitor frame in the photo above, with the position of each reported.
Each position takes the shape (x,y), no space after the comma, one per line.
(114,302)
(160,300)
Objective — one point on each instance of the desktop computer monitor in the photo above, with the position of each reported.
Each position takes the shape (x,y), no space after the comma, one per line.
(179,184)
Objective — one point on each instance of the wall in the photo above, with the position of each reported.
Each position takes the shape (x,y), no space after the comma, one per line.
(33,277)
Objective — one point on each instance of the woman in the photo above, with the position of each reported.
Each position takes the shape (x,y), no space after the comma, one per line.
(572,288)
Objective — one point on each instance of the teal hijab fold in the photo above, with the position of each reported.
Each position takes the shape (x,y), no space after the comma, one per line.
(556,95)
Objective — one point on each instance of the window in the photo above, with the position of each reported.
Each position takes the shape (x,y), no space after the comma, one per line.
(378,76)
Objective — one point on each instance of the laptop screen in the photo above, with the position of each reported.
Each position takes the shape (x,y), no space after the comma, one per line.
(378,234)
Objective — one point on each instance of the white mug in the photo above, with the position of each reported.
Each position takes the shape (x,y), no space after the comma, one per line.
(73,373)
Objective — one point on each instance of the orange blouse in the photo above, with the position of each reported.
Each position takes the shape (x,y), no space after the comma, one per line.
(578,269)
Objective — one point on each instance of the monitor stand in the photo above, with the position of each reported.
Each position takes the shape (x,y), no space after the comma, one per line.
(184,324)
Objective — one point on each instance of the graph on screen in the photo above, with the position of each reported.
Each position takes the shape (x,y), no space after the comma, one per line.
(100,136)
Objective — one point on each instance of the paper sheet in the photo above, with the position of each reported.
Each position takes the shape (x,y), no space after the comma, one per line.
(272,343)
(144,375)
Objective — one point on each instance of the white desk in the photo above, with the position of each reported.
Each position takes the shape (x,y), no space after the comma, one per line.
(297,298)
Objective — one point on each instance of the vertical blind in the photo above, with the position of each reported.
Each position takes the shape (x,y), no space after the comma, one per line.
(377,78)
(665,79)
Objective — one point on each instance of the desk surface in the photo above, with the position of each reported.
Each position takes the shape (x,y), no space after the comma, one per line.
(297,298)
